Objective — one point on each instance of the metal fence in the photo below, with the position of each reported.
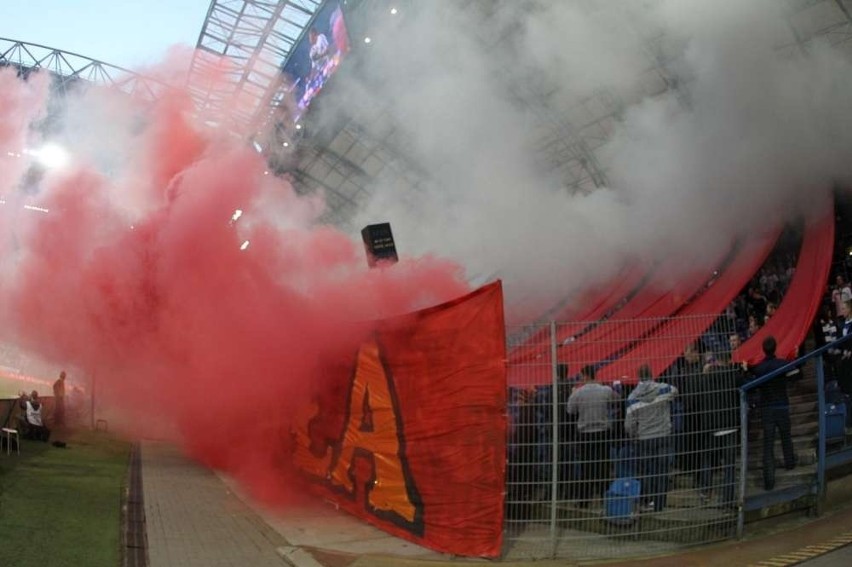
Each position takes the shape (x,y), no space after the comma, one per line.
(623,437)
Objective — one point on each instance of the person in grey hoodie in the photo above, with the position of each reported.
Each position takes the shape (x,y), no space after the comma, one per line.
(649,421)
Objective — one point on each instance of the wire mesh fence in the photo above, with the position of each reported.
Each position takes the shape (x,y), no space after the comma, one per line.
(624,437)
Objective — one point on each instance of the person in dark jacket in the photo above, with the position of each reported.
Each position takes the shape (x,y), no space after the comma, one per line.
(522,479)
(718,407)
(687,373)
(844,358)
(825,332)
(774,412)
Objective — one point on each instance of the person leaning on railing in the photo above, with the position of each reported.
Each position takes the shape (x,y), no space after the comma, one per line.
(774,412)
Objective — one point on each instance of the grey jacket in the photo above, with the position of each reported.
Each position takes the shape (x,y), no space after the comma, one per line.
(649,410)
(591,403)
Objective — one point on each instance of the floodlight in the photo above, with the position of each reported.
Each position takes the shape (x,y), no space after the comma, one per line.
(52,156)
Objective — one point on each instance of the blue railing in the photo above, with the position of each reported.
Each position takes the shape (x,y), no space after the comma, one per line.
(817,485)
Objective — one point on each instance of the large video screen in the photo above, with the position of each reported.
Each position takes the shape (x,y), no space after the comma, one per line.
(317,55)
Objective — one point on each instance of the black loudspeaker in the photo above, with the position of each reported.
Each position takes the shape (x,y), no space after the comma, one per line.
(378,242)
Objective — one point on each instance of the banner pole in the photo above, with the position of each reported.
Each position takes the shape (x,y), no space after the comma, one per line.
(554,471)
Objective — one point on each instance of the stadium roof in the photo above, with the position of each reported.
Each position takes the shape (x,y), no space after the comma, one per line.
(258,36)
(69,68)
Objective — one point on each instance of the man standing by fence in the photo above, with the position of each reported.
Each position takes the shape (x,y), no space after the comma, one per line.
(774,412)
(591,403)
(717,405)
(59,401)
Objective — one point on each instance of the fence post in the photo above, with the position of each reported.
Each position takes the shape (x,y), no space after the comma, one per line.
(821,488)
(743,463)
(554,451)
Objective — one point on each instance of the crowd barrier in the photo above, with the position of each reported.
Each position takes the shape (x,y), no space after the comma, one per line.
(655,473)
(646,478)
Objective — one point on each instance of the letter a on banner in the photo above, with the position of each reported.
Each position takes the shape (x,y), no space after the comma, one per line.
(373,431)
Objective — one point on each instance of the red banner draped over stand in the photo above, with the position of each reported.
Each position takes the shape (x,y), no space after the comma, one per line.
(413,439)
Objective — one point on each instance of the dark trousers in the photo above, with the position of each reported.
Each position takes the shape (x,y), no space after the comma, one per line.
(776,417)
(59,413)
(687,444)
(844,375)
(593,458)
(722,453)
(654,461)
(37,432)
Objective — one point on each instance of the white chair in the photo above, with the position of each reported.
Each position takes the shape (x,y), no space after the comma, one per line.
(8,433)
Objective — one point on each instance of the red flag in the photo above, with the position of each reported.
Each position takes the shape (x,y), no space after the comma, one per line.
(415,443)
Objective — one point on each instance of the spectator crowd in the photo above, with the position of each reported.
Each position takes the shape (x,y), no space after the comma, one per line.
(685,422)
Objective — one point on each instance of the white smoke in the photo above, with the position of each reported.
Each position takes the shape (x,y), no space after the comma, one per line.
(752,133)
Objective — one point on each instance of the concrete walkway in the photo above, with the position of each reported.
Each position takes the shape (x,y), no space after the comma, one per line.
(195,520)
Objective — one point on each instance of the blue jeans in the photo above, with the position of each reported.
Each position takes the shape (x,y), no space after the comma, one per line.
(654,462)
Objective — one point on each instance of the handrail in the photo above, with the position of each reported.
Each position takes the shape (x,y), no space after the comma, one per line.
(750,385)
(819,488)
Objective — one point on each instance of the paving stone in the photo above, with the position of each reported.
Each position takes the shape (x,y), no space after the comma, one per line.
(194,520)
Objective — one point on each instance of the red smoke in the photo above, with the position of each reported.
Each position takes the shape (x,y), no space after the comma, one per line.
(179,324)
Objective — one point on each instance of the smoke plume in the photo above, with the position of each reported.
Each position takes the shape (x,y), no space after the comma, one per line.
(136,267)
(718,125)
(197,290)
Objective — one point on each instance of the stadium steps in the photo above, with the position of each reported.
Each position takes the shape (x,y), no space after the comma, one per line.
(804,419)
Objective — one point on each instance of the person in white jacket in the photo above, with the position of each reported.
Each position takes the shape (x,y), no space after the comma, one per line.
(649,421)
(32,414)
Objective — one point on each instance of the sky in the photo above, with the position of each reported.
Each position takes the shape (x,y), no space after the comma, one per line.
(127,33)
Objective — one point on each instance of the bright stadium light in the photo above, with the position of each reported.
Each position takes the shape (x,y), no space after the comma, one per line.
(244,245)
(236,216)
(51,156)
(394,11)
(367,40)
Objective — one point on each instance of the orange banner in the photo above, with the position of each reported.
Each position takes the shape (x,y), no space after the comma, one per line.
(413,438)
